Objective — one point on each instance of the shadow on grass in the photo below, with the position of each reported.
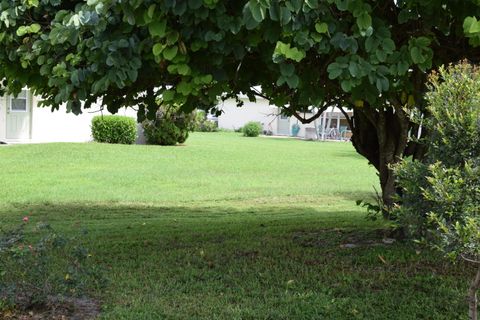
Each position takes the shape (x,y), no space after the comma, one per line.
(351,154)
(263,262)
(354,196)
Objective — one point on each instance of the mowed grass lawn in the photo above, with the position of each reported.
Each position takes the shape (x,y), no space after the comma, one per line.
(229,227)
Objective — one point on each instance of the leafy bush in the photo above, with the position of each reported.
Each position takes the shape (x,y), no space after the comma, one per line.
(252,129)
(114,129)
(38,269)
(441,197)
(202,124)
(169,128)
(453,143)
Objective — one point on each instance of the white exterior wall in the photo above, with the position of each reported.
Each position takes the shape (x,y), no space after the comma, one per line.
(3,118)
(233,117)
(60,126)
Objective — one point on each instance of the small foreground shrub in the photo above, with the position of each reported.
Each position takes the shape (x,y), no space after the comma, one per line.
(169,128)
(114,129)
(252,129)
(43,267)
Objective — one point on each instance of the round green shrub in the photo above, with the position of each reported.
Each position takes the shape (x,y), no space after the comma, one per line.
(252,129)
(114,129)
(169,128)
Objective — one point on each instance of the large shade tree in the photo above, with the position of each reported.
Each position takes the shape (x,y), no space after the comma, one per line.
(366,55)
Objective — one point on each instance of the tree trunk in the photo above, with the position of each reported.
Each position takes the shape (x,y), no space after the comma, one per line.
(472,296)
(382,137)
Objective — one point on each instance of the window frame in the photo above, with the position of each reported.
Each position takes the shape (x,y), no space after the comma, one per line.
(18,98)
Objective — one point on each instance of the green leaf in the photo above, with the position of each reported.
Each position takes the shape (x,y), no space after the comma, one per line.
(285,16)
(34,28)
(287,69)
(170,52)
(353,69)
(258,11)
(250,22)
(195,4)
(312,4)
(402,67)
(367,33)
(274,11)
(334,70)
(180,8)
(157,49)
(382,84)
(346,85)
(423,41)
(293,81)
(168,95)
(342,5)
(416,54)
(364,21)
(21,31)
(381,55)
(183,69)
(370,44)
(172,37)
(471,25)
(321,27)
(388,45)
(151,10)
(185,88)
(284,49)
(197,45)
(294,5)
(157,28)
(206,79)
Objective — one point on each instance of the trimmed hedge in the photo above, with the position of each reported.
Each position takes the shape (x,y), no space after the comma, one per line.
(252,129)
(114,129)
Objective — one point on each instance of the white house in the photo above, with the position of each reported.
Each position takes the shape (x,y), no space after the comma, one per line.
(22,121)
(269,116)
(331,125)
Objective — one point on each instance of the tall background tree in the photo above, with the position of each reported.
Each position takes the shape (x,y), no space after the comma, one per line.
(369,56)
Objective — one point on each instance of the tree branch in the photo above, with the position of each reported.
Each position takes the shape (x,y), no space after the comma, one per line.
(345,114)
(312,118)
(469,260)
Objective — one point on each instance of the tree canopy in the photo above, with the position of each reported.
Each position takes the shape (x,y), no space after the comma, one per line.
(370,56)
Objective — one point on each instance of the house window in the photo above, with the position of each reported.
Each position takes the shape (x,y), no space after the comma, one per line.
(283,117)
(19,103)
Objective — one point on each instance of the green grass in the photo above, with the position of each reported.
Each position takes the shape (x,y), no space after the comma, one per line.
(229,227)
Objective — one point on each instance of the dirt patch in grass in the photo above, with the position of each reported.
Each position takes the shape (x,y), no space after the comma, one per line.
(344,238)
(58,309)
